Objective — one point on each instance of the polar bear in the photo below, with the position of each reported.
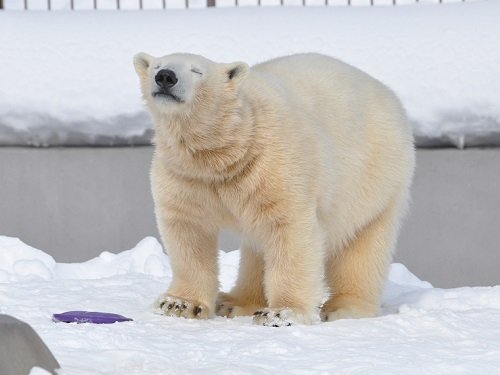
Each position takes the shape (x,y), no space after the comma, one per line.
(307,157)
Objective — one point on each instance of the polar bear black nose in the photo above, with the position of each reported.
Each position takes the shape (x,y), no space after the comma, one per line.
(166,78)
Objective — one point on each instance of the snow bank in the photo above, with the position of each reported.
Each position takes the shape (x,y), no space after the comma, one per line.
(422,330)
(38,371)
(67,78)
(20,262)
(146,258)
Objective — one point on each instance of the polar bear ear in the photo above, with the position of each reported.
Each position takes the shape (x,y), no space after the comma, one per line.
(236,71)
(141,63)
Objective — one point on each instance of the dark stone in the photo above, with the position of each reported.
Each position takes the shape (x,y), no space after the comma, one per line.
(21,349)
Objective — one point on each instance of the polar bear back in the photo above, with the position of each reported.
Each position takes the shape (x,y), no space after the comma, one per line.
(348,125)
(324,87)
(342,103)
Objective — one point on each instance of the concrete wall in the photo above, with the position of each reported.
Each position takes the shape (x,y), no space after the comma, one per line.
(76,202)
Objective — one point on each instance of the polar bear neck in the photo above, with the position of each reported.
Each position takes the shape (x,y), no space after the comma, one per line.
(197,145)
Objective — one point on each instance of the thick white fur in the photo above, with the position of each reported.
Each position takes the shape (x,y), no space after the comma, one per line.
(309,158)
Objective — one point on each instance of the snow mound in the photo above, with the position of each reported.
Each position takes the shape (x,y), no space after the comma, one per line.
(83,88)
(146,257)
(399,274)
(460,299)
(38,371)
(19,262)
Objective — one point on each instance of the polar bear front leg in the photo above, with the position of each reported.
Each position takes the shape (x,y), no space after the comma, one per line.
(193,255)
(293,277)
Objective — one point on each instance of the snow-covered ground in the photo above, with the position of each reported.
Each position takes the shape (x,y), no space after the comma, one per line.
(422,330)
(67,77)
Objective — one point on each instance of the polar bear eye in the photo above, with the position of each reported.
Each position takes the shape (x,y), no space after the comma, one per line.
(194,70)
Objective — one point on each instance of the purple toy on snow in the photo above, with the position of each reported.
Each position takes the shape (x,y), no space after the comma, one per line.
(89,317)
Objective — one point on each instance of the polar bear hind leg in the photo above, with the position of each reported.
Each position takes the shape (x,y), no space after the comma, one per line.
(357,273)
(247,296)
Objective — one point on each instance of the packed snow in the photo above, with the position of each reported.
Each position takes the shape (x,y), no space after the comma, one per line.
(422,330)
(67,77)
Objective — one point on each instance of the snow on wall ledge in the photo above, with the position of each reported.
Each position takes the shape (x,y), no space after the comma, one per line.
(67,78)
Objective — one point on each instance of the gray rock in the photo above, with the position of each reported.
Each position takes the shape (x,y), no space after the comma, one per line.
(21,349)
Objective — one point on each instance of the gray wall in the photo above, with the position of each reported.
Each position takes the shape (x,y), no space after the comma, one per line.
(452,234)
(76,202)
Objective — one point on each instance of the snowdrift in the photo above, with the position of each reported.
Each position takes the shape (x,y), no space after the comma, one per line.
(67,77)
(421,330)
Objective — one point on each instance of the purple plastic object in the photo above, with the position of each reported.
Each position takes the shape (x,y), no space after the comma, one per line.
(89,317)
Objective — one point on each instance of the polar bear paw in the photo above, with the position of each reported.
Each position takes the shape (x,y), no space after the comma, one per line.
(225,309)
(230,306)
(180,307)
(346,313)
(347,307)
(283,317)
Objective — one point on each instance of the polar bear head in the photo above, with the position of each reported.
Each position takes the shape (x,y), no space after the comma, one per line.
(181,83)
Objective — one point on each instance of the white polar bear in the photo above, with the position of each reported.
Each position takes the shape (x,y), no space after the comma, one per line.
(307,157)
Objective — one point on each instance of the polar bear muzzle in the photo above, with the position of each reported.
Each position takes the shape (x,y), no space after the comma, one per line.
(166,79)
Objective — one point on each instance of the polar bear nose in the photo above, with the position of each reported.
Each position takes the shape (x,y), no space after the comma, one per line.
(166,78)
